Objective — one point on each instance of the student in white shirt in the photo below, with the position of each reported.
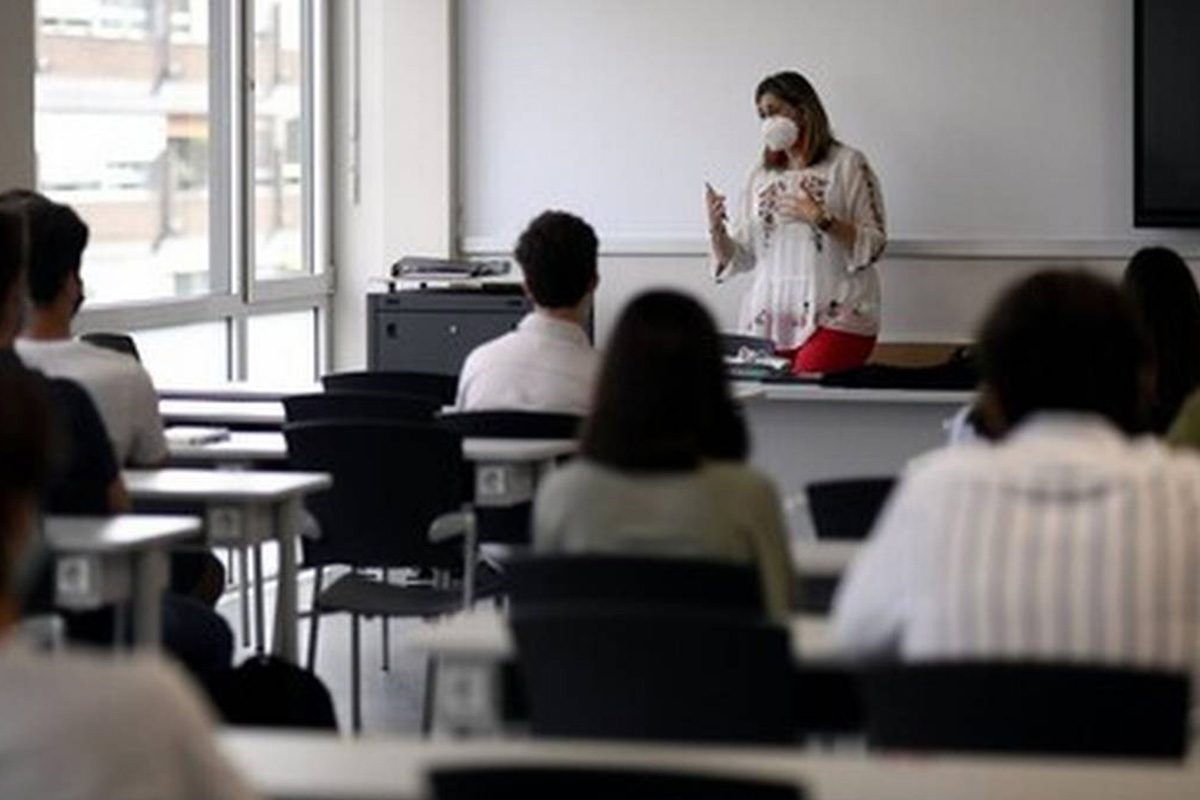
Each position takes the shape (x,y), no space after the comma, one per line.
(76,726)
(547,363)
(662,469)
(120,387)
(1065,540)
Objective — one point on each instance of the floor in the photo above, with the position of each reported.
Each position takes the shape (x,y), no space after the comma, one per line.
(392,700)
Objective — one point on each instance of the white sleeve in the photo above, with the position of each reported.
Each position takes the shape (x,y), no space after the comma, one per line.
(149,446)
(741,232)
(871,604)
(865,204)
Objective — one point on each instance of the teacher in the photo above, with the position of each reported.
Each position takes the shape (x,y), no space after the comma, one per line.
(810,224)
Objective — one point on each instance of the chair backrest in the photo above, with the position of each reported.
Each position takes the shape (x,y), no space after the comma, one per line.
(655,675)
(1025,707)
(358,405)
(846,509)
(599,783)
(625,582)
(390,481)
(513,424)
(441,388)
(121,343)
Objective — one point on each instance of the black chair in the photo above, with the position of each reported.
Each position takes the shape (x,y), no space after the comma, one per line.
(627,582)
(121,343)
(441,388)
(1027,707)
(654,675)
(847,508)
(599,783)
(509,525)
(391,481)
(359,406)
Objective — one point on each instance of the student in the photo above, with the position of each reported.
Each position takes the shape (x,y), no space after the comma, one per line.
(662,470)
(1065,540)
(76,726)
(547,363)
(1164,291)
(119,385)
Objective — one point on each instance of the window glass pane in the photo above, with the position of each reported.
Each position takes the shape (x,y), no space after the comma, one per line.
(282,348)
(186,355)
(122,134)
(278,155)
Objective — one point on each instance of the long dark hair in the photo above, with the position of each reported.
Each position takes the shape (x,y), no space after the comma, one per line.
(795,90)
(1164,291)
(662,403)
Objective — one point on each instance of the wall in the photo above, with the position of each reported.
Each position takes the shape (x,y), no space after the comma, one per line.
(393,191)
(16,89)
(605,106)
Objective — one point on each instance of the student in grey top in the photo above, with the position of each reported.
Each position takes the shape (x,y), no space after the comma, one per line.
(662,470)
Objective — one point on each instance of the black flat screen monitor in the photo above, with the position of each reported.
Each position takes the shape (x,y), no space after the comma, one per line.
(1167,113)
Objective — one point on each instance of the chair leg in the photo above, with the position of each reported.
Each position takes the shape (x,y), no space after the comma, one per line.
(386,631)
(314,621)
(355,676)
(244,593)
(430,695)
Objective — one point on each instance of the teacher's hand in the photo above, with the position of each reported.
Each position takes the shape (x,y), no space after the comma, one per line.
(715,203)
(799,207)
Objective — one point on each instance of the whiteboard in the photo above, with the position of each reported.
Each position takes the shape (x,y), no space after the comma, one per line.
(1004,121)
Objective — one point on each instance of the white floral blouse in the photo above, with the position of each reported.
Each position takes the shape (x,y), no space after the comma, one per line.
(806,279)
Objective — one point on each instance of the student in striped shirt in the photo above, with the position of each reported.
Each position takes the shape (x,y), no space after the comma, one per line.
(1070,538)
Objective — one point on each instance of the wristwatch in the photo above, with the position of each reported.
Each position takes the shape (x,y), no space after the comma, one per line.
(824,221)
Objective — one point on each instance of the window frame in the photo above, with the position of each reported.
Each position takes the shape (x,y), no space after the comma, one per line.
(235,293)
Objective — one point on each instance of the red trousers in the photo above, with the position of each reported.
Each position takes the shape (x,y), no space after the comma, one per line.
(831,351)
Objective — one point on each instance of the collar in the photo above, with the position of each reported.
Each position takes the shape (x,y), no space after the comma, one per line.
(539,323)
(1071,427)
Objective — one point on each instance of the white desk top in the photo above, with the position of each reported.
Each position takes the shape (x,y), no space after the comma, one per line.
(829,557)
(204,485)
(484,634)
(517,450)
(305,766)
(241,446)
(239,391)
(222,412)
(807,392)
(117,534)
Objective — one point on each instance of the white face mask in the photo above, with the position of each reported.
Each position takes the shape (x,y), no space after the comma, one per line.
(779,133)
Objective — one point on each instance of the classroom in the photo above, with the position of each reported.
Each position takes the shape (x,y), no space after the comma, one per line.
(437,399)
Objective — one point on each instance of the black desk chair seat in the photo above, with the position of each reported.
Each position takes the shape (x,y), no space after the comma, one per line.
(1027,707)
(847,508)
(667,676)
(359,405)
(598,783)
(440,388)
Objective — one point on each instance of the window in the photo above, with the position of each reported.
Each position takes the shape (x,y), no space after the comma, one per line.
(200,183)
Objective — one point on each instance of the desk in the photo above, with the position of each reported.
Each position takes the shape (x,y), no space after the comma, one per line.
(471,647)
(827,558)
(114,559)
(241,449)
(223,413)
(239,391)
(801,433)
(244,509)
(298,766)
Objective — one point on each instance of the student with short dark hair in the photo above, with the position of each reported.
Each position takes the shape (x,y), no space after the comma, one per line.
(1162,288)
(662,469)
(120,387)
(84,726)
(547,363)
(1065,540)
